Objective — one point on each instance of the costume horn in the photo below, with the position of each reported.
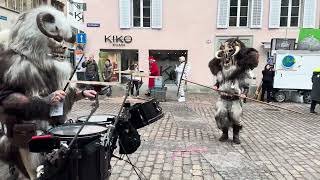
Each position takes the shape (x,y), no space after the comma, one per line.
(47,18)
(217,54)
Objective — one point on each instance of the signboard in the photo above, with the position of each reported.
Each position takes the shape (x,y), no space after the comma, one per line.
(116,40)
(3,18)
(81,38)
(309,39)
(93,24)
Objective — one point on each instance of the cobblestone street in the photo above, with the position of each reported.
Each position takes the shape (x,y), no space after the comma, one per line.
(276,144)
(184,144)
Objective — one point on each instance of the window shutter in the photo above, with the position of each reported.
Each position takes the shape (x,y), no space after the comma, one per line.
(274,14)
(156,14)
(309,15)
(125,14)
(223,14)
(256,14)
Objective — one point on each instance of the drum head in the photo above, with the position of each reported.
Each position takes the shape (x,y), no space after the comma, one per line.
(71,130)
(102,118)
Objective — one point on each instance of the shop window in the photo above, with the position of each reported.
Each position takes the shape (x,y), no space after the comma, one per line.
(121,61)
(141,10)
(167,61)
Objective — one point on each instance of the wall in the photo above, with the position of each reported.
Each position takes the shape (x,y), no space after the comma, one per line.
(187,25)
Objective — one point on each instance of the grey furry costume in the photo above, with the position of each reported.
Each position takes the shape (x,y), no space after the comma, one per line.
(231,67)
(28,77)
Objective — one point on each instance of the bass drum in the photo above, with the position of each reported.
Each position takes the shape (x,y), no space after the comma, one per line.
(143,114)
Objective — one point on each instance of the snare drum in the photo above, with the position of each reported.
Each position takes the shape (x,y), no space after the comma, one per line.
(87,159)
(68,131)
(143,114)
(101,119)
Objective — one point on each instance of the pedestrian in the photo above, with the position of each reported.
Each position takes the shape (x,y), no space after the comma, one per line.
(315,92)
(107,76)
(154,71)
(91,73)
(136,80)
(267,82)
(182,71)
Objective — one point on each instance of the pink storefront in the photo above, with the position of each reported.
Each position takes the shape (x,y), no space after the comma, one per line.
(129,31)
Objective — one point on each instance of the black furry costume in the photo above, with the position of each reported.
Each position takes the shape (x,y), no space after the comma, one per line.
(231,66)
(28,79)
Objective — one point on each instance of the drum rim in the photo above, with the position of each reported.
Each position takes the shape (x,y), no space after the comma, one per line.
(78,119)
(80,136)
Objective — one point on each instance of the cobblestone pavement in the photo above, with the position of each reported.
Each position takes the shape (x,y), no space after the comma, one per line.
(184,144)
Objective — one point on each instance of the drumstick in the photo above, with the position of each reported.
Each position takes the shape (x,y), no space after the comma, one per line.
(94,83)
(261,102)
(137,74)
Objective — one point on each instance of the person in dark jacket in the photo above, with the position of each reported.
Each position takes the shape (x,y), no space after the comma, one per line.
(267,82)
(91,73)
(108,71)
(107,77)
(91,69)
(315,92)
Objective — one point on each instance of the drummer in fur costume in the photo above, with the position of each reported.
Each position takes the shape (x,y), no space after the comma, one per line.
(232,67)
(31,83)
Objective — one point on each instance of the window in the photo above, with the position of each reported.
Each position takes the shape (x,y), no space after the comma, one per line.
(35,3)
(290,13)
(239,13)
(141,13)
(58,5)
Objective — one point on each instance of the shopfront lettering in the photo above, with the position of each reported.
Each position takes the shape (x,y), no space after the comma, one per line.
(118,40)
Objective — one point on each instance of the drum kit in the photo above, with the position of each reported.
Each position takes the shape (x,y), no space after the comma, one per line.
(83,149)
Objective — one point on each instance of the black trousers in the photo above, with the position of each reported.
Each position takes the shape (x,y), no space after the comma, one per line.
(135,85)
(313,105)
(266,87)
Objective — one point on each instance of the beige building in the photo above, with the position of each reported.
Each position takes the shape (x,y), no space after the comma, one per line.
(129,31)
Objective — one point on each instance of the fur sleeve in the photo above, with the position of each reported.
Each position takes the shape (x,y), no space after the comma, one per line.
(214,66)
(26,108)
(248,58)
(70,99)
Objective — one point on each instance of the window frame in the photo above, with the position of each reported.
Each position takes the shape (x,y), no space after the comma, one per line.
(289,15)
(141,15)
(239,14)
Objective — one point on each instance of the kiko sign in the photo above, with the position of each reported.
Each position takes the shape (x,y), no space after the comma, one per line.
(116,40)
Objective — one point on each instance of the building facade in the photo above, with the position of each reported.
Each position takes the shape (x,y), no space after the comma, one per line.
(128,31)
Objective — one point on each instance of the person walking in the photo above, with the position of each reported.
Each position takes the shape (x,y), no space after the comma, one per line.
(315,92)
(182,72)
(267,82)
(107,76)
(136,80)
(154,71)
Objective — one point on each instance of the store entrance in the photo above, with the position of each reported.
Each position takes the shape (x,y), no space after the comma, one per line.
(121,60)
(167,61)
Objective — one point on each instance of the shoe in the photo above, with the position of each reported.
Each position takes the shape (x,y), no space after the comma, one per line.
(181,99)
(224,136)
(236,130)
(313,112)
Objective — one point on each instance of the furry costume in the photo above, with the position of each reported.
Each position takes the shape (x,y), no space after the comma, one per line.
(28,77)
(231,66)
